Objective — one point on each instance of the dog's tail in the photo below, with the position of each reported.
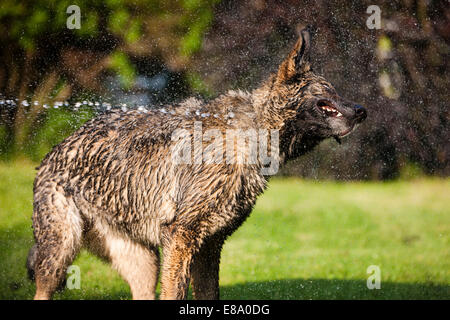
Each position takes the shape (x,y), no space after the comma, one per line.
(31,261)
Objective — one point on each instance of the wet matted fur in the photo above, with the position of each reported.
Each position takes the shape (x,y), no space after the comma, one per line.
(113,188)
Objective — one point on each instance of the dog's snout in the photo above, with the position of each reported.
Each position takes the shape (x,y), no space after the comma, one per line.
(360,112)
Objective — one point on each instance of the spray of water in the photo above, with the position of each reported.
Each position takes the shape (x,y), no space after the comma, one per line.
(97,106)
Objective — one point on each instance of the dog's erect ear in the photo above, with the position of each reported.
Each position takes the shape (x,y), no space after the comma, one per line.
(297,62)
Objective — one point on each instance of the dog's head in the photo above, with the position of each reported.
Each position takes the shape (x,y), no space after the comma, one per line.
(311,102)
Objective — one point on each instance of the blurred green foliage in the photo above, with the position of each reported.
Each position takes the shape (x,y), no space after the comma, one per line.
(410,171)
(3,141)
(44,60)
(122,65)
(27,22)
(196,22)
(57,124)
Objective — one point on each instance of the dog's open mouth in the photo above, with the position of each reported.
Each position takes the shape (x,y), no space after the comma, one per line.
(328,110)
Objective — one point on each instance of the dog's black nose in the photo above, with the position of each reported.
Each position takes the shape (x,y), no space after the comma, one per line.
(360,112)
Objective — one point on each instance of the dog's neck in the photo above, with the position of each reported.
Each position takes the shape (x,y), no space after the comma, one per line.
(269,103)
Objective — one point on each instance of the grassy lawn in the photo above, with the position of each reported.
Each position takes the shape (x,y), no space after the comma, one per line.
(304,240)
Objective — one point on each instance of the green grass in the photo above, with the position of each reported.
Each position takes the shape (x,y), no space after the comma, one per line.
(304,240)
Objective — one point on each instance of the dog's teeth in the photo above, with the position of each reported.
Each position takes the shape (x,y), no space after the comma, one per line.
(332,110)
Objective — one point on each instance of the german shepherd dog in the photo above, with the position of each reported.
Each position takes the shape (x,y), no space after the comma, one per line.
(115,188)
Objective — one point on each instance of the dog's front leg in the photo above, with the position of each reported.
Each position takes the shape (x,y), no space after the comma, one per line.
(177,260)
(205,269)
